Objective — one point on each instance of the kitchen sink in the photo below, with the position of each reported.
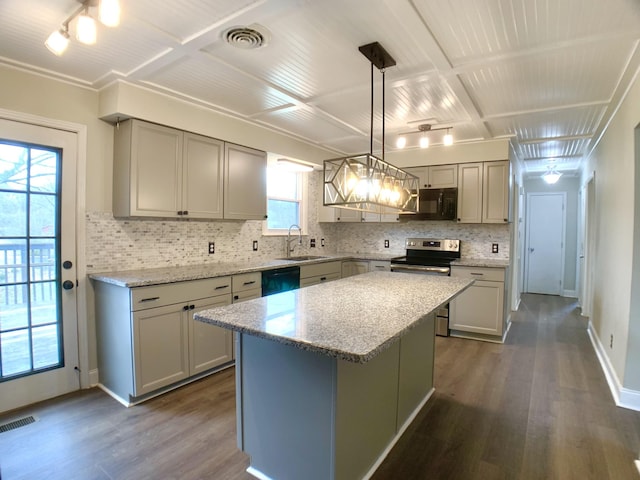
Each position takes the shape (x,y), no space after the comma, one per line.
(300,258)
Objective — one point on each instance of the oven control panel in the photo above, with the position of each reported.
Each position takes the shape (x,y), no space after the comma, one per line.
(442,245)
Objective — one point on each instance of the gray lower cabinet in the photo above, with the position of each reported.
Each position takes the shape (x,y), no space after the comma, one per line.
(320,273)
(479,311)
(354,267)
(148,340)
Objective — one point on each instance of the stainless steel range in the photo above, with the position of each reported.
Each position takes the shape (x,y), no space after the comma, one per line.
(430,256)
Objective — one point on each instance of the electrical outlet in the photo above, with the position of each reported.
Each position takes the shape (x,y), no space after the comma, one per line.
(611,341)
(322,242)
(312,243)
(386,244)
(212,247)
(255,245)
(494,248)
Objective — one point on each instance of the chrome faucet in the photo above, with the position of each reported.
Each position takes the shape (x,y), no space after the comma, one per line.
(289,249)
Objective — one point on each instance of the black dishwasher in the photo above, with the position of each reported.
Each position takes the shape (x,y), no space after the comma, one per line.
(280,280)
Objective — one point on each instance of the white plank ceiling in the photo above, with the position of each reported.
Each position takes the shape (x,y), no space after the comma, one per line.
(547,74)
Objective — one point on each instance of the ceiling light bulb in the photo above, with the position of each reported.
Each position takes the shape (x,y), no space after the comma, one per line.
(109,12)
(424,142)
(552,175)
(448,139)
(86,29)
(401,142)
(58,42)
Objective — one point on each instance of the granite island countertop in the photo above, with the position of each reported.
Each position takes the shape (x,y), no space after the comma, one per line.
(158,276)
(353,318)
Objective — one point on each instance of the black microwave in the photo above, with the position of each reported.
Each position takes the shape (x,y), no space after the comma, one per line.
(437,204)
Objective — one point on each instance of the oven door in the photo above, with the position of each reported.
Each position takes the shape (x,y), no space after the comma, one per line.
(442,314)
(422,269)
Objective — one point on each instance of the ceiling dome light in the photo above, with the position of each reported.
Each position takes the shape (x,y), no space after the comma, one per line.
(86,30)
(109,12)
(424,142)
(401,142)
(58,42)
(552,175)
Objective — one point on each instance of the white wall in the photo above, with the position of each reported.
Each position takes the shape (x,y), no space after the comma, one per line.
(616,190)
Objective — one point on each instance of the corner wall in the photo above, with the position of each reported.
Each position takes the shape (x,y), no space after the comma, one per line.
(616,268)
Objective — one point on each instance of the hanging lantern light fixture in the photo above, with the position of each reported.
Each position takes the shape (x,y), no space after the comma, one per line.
(365,182)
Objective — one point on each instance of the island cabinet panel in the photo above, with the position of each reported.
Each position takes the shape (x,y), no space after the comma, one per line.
(302,414)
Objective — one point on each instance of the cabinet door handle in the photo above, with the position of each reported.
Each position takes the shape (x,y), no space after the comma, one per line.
(322,279)
(222,287)
(249,283)
(236,297)
(150,299)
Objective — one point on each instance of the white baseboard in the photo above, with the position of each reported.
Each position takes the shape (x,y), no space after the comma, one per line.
(623,397)
(570,293)
(94,378)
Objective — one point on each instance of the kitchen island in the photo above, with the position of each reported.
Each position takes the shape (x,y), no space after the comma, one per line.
(328,377)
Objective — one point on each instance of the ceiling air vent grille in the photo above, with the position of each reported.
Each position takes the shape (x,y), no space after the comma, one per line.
(247,38)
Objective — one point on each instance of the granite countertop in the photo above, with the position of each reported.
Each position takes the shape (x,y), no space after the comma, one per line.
(481,262)
(354,318)
(158,276)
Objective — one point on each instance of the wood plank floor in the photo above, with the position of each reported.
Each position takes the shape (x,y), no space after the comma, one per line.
(537,407)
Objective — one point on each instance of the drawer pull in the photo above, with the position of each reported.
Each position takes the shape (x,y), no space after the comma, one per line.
(477,274)
(322,279)
(249,283)
(150,299)
(222,286)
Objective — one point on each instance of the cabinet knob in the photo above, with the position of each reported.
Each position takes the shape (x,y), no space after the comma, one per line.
(185,308)
(179,212)
(506,219)
(185,212)
(191,307)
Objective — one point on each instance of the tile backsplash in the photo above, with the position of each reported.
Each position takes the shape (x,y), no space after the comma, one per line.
(124,244)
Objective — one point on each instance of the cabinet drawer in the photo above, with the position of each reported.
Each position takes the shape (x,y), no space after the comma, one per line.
(479,273)
(246,281)
(308,281)
(247,295)
(379,266)
(170,293)
(318,269)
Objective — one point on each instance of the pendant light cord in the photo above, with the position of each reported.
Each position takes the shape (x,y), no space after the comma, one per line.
(371,125)
(383,115)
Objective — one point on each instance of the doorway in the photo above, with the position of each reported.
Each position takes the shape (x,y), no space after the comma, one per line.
(38,307)
(544,255)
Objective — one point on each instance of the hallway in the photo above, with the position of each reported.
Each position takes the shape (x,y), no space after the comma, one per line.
(537,407)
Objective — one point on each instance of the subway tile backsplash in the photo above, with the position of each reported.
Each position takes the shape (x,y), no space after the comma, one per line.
(124,244)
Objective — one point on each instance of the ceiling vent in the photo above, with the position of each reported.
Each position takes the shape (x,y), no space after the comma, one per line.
(247,38)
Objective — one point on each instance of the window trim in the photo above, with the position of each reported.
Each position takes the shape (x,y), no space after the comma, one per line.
(303,202)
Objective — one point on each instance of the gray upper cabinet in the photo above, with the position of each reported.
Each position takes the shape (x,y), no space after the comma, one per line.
(163,172)
(470,192)
(245,183)
(495,193)
(436,176)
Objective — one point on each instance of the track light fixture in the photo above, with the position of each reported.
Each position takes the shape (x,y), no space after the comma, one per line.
(86,28)
(424,129)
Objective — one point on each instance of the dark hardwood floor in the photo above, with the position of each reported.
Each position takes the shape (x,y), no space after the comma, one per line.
(537,407)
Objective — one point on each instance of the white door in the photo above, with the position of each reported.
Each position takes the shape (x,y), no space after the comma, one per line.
(38,313)
(545,242)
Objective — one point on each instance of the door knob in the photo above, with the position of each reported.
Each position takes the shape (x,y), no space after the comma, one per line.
(67,284)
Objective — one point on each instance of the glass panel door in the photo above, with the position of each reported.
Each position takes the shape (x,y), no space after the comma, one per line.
(38,304)
(30,324)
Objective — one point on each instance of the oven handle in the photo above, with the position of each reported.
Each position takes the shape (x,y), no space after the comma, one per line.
(416,268)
